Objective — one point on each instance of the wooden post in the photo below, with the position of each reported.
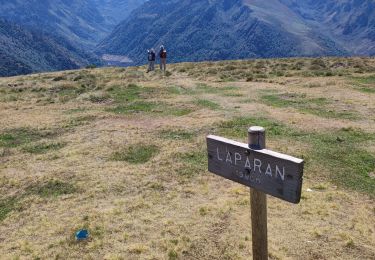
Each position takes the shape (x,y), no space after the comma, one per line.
(258,199)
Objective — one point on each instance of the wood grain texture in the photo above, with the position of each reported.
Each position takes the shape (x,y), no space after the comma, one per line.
(273,173)
(258,202)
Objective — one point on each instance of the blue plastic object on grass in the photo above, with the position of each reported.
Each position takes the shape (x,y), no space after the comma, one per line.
(82,234)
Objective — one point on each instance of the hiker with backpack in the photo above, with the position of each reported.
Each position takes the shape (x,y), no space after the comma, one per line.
(151,60)
(163,58)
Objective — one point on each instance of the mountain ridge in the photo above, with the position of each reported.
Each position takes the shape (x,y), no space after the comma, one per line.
(77,26)
(25,51)
(227,29)
(351,22)
(191,30)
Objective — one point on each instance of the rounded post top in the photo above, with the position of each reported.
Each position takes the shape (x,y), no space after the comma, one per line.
(256,129)
(257,137)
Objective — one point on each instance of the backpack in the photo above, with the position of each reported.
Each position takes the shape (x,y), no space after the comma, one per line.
(163,54)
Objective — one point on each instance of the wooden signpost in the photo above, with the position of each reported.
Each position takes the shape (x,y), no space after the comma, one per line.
(264,171)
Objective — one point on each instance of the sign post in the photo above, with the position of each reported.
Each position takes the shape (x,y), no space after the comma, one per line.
(258,201)
(264,171)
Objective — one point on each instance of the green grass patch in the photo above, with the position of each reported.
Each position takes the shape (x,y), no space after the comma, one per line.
(136,154)
(342,152)
(150,107)
(132,100)
(291,99)
(7,206)
(66,92)
(238,127)
(177,90)
(367,89)
(79,121)
(204,88)
(86,82)
(365,84)
(99,97)
(53,188)
(10,98)
(229,88)
(201,88)
(207,104)
(59,78)
(126,94)
(158,186)
(50,189)
(195,162)
(176,111)
(176,134)
(370,80)
(20,136)
(172,254)
(43,147)
(315,106)
(75,110)
(233,94)
(134,107)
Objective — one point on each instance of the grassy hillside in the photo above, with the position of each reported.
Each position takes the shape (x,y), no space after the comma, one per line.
(122,153)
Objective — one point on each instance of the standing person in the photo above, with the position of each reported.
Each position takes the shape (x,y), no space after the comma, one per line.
(151,60)
(163,58)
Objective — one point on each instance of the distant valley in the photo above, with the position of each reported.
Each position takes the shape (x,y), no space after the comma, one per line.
(235,29)
(55,35)
(23,51)
(62,34)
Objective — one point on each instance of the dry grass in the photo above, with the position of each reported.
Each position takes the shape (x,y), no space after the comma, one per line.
(69,160)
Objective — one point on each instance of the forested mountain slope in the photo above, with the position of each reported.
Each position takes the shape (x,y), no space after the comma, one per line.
(44,35)
(84,22)
(24,51)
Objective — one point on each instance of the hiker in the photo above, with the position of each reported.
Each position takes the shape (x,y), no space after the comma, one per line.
(151,60)
(163,58)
